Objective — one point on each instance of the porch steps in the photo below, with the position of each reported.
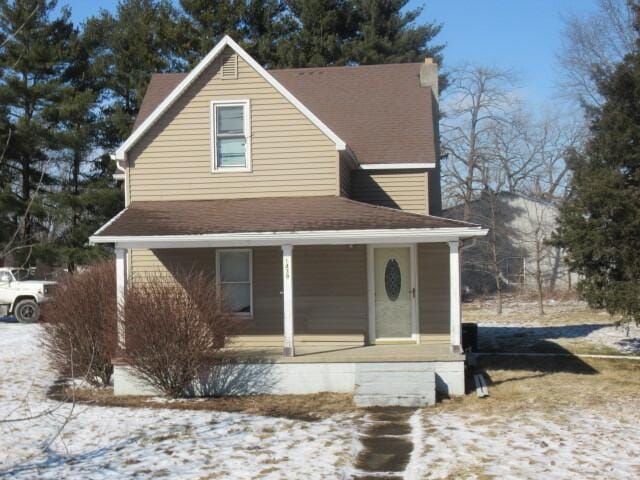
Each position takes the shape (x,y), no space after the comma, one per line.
(400,384)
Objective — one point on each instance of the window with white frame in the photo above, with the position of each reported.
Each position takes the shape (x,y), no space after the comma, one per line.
(230,135)
(234,277)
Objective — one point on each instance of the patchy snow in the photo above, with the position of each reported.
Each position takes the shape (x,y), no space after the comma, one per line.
(522,335)
(101,442)
(571,444)
(570,324)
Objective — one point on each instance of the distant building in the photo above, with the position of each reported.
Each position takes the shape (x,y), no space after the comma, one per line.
(523,226)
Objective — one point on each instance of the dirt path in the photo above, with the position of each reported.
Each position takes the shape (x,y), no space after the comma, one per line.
(387,444)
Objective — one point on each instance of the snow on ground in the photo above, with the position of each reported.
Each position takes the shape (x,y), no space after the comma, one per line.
(521,336)
(570,324)
(106,443)
(571,444)
(102,443)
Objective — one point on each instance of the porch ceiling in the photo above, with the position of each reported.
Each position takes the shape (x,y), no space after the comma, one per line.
(274,219)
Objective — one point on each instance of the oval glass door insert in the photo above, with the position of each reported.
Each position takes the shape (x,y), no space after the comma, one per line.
(392,279)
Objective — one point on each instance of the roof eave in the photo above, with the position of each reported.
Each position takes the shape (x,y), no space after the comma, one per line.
(314,237)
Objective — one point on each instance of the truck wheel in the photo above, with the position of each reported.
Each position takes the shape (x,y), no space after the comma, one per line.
(27,311)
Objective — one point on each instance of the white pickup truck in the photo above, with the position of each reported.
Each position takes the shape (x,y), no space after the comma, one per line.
(21,295)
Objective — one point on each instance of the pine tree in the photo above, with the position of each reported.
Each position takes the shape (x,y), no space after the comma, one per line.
(387,33)
(599,225)
(257,25)
(140,39)
(203,23)
(34,52)
(357,32)
(323,28)
(87,196)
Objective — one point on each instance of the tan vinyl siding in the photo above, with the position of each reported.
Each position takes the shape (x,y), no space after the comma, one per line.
(289,155)
(391,188)
(433,286)
(330,287)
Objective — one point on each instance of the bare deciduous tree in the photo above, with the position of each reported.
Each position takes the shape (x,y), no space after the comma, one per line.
(477,100)
(556,135)
(593,44)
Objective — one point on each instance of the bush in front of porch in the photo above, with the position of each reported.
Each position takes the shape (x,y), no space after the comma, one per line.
(79,335)
(174,328)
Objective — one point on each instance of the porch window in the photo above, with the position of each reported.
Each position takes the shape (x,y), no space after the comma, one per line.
(234,279)
(230,135)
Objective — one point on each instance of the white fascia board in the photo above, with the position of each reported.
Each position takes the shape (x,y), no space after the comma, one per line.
(318,237)
(195,73)
(396,166)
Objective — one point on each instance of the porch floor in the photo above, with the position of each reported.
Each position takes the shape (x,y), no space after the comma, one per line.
(351,354)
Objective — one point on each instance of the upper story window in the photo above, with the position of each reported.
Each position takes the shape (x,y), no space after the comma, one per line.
(230,135)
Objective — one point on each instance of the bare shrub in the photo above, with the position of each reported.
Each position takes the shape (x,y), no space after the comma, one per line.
(81,324)
(174,330)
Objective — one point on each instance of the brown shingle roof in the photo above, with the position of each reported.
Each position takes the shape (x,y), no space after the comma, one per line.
(276,214)
(380,111)
(160,86)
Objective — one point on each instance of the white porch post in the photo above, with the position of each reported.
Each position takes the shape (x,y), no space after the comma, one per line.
(454,289)
(121,288)
(287,294)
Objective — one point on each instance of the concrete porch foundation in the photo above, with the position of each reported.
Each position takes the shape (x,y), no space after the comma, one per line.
(342,370)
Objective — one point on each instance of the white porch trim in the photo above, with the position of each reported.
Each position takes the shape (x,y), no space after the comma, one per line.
(397,166)
(287,297)
(121,288)
(454,292)
(313,237)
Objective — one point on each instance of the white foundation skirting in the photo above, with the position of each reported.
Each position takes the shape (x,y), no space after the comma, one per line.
(292,378)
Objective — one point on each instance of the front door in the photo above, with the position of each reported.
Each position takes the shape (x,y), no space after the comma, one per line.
(393,293)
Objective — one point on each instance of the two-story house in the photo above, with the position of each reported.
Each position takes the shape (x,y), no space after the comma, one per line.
(307,195)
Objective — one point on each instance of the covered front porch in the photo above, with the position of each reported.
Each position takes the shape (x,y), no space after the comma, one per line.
(295,300)
(338,287)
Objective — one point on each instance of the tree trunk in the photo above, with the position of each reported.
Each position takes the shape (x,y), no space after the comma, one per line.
(539,280)
(25,232)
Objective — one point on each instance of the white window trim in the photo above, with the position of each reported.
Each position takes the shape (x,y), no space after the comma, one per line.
(246,104)
(219,282)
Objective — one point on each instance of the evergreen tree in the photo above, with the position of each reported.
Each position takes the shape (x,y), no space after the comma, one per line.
(357,32)
(258,25)
(34,52)
(203,23)
(323,30)
(87,196)
(140,39)
(265,25)
(387,33)
(599,225)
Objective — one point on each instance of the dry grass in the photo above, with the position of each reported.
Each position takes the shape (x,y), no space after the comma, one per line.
(297,407)
(518,384)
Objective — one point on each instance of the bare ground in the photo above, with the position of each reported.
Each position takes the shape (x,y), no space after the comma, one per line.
(295,407)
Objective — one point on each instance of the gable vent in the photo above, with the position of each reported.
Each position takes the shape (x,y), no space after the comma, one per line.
(229,66)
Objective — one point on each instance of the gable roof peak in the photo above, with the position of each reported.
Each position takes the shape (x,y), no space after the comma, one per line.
(226,41)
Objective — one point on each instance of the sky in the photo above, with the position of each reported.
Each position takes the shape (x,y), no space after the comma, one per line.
(519,35)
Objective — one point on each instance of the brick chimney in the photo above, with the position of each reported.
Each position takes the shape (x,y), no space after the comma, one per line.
(429,75)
